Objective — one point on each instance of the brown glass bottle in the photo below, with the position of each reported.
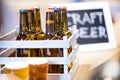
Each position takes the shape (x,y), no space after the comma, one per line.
(50,35)
(58,27)
(58,31)
(64,24)
(65,21)
(39,31)
(32,32)
(23,33)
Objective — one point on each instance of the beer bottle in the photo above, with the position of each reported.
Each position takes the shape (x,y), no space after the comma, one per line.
(65,21)
(50,35)
(31,32)
(58,30)
(23,33)
(58,27)
(64,24)
(39,31)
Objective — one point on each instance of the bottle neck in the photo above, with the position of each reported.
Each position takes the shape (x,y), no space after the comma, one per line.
(23,23)
(50,23)
(57,20)
(37,18)
(31,25)
(64,21)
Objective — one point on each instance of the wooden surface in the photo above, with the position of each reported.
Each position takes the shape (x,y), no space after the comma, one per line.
(82,73)
(9,77)
(97,58)
(88,70)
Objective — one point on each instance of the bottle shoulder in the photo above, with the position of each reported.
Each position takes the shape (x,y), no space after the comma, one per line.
(51,37)
(67,33)
(60,35)
(22,37)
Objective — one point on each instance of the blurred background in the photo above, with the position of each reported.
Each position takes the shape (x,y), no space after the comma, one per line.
(108,70)
(10,10)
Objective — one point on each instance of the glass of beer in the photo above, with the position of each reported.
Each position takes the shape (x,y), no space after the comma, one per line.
(38,69)
(20,69)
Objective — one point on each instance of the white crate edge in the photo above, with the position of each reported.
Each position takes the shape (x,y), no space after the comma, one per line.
(65,43)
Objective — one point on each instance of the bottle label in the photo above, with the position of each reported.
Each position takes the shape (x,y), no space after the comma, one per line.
(49,21)
(48,52)
(25,51)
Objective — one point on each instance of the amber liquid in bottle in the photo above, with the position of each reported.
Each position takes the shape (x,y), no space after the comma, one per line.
(32,33)
(40,33)
(23,33)
(58,27)
(50,35)
(64,24)
(59,31)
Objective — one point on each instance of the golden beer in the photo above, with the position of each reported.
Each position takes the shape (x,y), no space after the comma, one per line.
(19,69)
(38,69)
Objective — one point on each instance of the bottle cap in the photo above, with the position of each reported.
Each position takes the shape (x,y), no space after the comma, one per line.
(23,10)
(37,7)
(50,10)
(57,9)
(51,7)
(63,7)
(30,9)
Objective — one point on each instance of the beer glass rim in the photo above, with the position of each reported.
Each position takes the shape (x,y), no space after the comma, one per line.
(37,61)
(16,65)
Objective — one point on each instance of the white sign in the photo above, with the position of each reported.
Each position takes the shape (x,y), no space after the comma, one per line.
(93,19)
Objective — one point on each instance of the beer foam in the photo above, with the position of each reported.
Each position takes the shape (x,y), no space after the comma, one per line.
(37,61)
(16,65)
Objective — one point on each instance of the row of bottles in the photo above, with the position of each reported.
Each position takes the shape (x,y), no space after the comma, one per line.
(56,28)
(30,29)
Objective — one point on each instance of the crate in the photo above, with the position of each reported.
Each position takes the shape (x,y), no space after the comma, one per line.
(8,45)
